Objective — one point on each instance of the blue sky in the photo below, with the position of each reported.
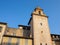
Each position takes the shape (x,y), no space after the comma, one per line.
(15,12)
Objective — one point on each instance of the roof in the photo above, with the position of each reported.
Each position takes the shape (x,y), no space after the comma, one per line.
(55,34)
(3,23)
(25,27)
(38,8)
(55,37)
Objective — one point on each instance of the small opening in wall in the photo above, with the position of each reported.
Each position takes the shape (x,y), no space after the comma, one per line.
(46,44)
(39,12)
(40,43)
(7,30)
(41,24)
(41,31)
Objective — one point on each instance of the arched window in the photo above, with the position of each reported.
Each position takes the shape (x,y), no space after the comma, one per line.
(40,43)
(57,37)
(0,28)
(39,12)
(53,36)
(41,24)
(46,44)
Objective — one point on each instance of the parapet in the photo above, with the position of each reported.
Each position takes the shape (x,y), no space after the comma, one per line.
(3,23)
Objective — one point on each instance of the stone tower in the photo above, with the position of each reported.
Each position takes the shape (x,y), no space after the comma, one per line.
(40,28)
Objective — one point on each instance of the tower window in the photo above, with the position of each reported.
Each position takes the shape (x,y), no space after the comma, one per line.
(46,44)
(41,24)
(39,12)
(40,43)
(0,28)
(41,31)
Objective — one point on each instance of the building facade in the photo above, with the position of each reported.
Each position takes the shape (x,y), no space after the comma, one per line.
(36,33)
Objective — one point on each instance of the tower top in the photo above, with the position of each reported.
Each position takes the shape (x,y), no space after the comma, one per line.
(38,11)
(38,8)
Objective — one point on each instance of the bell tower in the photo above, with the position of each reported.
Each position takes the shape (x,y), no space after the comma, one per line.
(40,28)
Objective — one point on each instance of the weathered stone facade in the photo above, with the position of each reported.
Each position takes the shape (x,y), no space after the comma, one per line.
(36,33)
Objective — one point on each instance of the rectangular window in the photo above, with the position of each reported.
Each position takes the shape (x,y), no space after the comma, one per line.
(18,41)
(0,28)
(9,41)
(39,12)
(40,43)
(26,41)
(14,41)
(46,44)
